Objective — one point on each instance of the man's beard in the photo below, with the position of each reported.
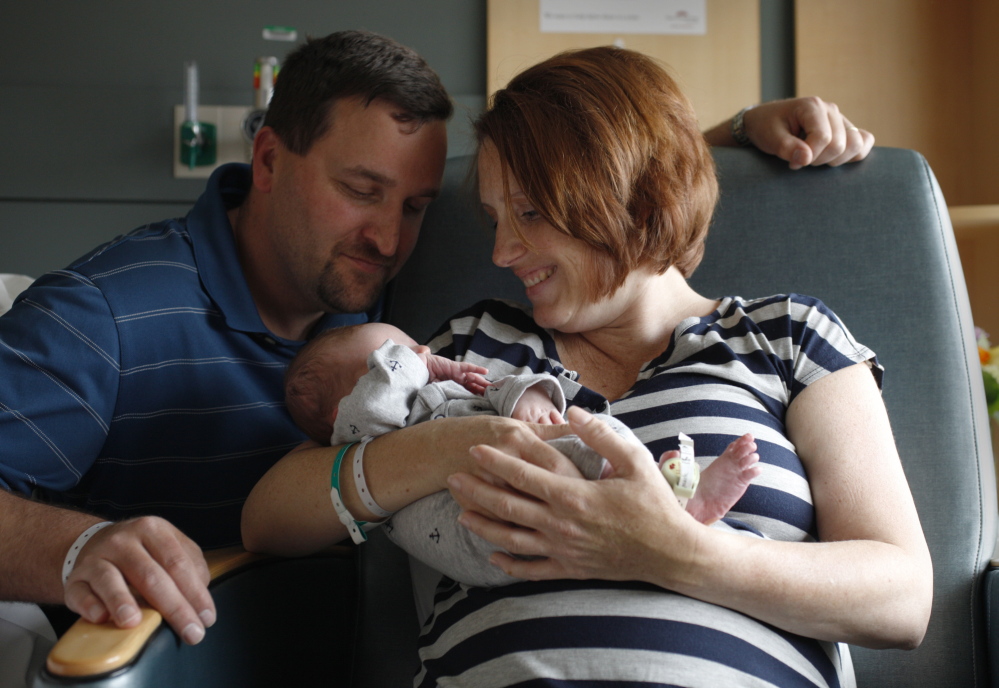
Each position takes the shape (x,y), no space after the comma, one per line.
(341,295)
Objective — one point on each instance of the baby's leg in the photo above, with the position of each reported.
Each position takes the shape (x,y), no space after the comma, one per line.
(724,482)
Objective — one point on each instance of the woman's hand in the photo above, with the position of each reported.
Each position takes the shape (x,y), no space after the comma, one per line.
(584,529)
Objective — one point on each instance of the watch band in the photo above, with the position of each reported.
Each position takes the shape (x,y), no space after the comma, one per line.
(739,127)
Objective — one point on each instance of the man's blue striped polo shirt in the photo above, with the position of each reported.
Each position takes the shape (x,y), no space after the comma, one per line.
(141,380)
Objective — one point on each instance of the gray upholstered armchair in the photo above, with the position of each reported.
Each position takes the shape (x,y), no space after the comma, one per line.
(873,240)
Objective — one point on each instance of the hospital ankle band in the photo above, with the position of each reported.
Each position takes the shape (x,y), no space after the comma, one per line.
(683,473)
(361,485)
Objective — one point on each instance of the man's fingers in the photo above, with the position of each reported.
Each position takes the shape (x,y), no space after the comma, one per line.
(98,592)
(82,600)
(174,581)
(146,558)
(858,144)
(832,143)
(185,567)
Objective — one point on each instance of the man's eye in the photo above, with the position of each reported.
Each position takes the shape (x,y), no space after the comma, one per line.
(358,193)
(416,208)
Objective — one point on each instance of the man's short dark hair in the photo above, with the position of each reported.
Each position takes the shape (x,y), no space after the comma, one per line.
(350,64)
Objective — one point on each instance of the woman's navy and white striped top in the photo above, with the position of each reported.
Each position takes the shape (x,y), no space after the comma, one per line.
(732,372)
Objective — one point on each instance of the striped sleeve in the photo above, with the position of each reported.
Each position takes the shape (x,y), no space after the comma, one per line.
(59,351)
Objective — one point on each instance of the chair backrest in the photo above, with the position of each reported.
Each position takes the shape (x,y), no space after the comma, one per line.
(874,241)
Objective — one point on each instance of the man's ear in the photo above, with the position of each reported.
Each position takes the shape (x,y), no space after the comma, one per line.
(266,145)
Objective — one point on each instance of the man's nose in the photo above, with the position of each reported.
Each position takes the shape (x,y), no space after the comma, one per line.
(384,231)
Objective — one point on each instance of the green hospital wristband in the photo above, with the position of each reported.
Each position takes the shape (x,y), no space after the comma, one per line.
(354,527)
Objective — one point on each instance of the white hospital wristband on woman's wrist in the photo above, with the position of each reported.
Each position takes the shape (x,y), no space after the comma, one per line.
(361,485)
(70,561)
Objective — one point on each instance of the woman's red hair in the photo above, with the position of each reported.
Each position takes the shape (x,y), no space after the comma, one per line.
(608,150)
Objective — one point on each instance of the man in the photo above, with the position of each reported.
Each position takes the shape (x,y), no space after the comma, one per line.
(146,377)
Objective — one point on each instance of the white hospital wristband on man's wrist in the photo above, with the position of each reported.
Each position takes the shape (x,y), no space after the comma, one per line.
(70,561)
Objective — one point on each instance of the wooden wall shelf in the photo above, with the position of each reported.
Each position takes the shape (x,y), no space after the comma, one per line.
(973,221)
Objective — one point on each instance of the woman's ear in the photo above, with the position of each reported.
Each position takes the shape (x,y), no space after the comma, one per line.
(266,145)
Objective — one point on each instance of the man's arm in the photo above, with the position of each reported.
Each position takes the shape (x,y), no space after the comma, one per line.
(159,562)
(59,363)
(803,131)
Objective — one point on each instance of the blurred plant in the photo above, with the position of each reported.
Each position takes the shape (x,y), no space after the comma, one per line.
(989,356)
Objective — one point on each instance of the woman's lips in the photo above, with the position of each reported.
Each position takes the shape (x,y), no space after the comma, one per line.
(538,276)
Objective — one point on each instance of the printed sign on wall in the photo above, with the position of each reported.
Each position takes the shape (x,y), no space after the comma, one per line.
(624,16)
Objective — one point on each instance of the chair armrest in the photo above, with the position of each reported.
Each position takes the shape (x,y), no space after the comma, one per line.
(991,583)
(88,649)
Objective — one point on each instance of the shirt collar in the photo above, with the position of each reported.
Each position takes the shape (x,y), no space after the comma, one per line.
(215,247)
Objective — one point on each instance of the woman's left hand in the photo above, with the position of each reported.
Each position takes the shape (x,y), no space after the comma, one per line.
(584,529)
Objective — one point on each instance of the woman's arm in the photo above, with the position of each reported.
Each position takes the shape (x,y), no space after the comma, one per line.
(803,131)
(868,582)
(289,511)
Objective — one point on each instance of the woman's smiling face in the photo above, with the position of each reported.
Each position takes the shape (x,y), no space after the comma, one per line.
(558,271)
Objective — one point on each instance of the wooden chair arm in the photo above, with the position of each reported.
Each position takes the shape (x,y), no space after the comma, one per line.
(88,649)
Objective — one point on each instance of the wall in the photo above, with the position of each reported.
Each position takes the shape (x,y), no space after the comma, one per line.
(921,74)
(88,89)
(719,71)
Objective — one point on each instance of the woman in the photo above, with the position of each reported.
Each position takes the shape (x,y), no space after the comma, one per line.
(601,189)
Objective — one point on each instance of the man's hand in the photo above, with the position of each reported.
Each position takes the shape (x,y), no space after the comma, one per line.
(806,131)
(148,558)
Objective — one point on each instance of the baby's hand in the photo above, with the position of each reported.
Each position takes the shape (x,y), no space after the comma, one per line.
(468,375)
(535,406)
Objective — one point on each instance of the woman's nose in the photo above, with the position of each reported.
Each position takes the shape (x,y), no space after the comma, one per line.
(507,248)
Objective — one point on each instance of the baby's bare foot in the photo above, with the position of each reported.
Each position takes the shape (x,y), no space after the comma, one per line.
(724,482)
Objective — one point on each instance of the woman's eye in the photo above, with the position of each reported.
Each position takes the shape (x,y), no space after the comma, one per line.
(529,215)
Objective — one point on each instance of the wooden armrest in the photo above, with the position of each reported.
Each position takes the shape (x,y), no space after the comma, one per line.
(88,649)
